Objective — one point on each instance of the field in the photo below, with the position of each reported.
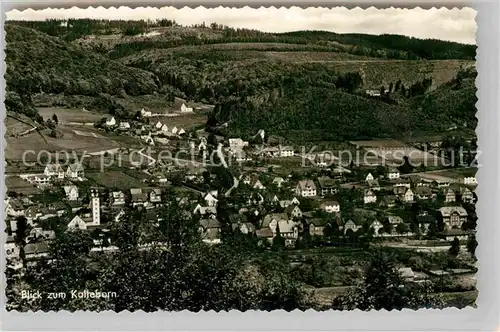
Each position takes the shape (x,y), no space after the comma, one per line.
(69,141)
(115,179)
(69,115)
(15,127)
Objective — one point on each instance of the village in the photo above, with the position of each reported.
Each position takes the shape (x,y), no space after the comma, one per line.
(271,192)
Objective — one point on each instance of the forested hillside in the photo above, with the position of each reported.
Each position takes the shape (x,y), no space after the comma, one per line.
(307,83)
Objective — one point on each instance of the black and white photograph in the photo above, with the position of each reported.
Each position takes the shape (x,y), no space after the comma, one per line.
(169,159)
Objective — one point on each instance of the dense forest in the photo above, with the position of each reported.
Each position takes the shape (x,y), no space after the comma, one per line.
(242,72)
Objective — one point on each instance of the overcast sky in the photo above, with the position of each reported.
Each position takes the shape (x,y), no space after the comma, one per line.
(447,24)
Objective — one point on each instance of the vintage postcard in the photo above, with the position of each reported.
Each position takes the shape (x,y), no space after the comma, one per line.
(165,159)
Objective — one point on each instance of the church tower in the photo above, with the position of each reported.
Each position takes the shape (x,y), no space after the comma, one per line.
(96,207)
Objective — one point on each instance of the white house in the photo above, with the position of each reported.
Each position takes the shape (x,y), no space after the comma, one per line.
(54,170)
(408,197)
(181,132)
(75,171)
(258,185)
(237,143)
(174,130)
(158,125)
(71,192)
(124,125)
(117,198)
(369,197)
(210,200)
(278,181)
(306,188)
(470,180)
(164,128)
(393,174)
(111,122)
(286,151)
(185,109)
(369,177)
(330,206)
(145,113)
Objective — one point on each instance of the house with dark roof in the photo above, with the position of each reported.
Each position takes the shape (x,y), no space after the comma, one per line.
(326,185)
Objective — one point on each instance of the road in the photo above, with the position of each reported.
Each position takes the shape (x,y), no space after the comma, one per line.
(236,182)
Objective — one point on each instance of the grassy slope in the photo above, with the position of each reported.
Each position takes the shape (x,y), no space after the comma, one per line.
(40,62)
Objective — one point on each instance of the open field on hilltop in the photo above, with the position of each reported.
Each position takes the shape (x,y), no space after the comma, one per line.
(69,141)
(457,172)
(115,179)
(69,115)
(185,121)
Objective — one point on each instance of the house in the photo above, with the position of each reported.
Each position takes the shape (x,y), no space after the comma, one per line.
(145,113)
(269,152)
(244,228)
(185,109)
(124,125)
(237,143)
(470,180)
(373,184)
(408,196)
(369,196)
(388,201)
(451,234)
(278,181)
(75,171)
(164,129)
(14,208)
(394,220)
(466,194)
(306,188)
(210,230)
(158,125)
(111,122)
(293,211)
(12,251)
(404,194)
(351,226)
(272,198)
(138,197)
(369,177)
(210,200)
(71,192)
(316,226)
(181,132)
(376,226)
(55,170)
(393,174)
(453,216)
(117,198)
(326,185)
(155,196)
(423,192)
(400,182)
(33,213)
(286,151)
(265,233)
(406,273)
(258,185)
(330,206)
(36,250)
(449,195)
(174,130)
(77,223)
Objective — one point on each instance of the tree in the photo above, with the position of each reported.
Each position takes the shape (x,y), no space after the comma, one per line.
(212,139)
(50,124)
(402,228)
(390,87)
(55,119)
(384,288)
(455,247)
(278,241)
(407,167)
(472,245)
(22,231)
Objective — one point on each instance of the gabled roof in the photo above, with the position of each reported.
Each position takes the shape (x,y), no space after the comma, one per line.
(291,208)
(329,203)
(326,182)
(54,168)
(210,223)
(394,219)
(317,221)
(265,232)
(306,185)
(75,167)
(447,211)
